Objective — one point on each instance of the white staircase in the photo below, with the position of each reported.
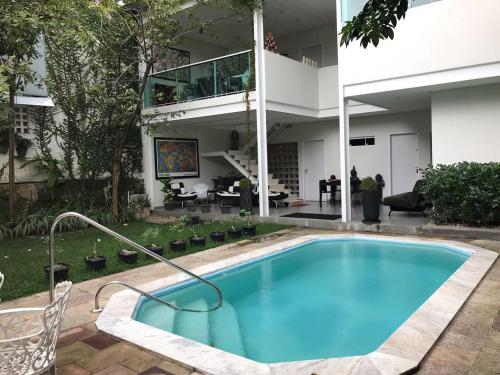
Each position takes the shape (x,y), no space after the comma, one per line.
(242,162)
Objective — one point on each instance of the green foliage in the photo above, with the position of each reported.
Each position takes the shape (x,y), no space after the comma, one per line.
(245,183)
(464,193)
(167,189)
(150,236)
(179,228)
(374,23)
(250,5)
(246,214)
(368,184)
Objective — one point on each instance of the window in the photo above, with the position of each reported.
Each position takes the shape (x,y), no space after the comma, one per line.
(362,141)
(23,120)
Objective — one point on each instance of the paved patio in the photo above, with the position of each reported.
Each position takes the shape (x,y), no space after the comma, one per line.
(470,345)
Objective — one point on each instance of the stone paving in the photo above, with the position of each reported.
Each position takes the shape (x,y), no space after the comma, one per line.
(470,345)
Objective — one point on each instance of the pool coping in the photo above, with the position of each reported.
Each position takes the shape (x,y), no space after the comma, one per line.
(401,352)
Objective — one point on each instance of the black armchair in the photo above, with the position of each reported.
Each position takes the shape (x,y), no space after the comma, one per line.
(408,202)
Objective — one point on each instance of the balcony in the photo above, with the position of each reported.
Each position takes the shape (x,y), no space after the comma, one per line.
(208,79)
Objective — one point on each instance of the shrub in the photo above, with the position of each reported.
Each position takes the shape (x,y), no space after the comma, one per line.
(464,193)
(369,184)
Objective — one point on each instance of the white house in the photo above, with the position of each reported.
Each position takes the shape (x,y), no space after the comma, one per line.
(430,96)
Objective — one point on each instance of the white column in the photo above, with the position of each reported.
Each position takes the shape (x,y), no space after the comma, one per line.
(260,91)
(344,157)
(148,167)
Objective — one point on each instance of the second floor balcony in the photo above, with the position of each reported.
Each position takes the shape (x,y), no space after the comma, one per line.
(226,75)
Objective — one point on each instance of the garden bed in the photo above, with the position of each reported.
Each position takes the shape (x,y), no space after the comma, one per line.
(22,260)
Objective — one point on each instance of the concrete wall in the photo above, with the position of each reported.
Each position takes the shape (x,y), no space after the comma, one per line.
(369,160)
(466,125)
(444,35)
(327,36)
(209,139)
(200,51)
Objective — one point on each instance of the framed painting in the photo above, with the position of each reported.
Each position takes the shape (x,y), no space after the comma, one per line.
(176,158)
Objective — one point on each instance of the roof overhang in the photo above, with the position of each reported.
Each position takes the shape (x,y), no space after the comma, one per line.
(39,101)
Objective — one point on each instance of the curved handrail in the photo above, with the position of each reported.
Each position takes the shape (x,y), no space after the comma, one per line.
(134,245)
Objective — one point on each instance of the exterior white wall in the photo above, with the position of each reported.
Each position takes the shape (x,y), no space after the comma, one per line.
(200,51)
(440,36)
(209,139)
(326,36)
(466,125)
(369,160)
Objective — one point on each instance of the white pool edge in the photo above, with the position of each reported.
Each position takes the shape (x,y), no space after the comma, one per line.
(401,352)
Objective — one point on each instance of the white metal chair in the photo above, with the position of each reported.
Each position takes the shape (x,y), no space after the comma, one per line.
(28,336)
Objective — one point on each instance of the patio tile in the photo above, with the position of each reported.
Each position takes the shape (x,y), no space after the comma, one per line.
(155,371)
(433,367)
(141,361)
(74,352)
(100,341)
(487,362)
(453,340)
(493,341)
(71,369)
(116,370)
(112,355)
(496,323)
(174,368)
(454,358)
(73,335)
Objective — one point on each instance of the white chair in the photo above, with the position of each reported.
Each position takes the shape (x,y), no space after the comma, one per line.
(28,336)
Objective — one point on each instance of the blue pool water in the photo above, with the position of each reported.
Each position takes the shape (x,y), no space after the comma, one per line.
(323,299)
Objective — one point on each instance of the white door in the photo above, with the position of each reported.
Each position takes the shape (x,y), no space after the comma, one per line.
(313,160)
(404,162)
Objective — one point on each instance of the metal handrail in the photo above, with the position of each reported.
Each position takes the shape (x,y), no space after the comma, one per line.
(134,245)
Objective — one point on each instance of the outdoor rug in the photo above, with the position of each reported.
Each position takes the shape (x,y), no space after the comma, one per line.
(300,215)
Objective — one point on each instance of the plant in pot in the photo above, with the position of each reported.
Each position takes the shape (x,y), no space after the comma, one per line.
(248,229)
(178,244)
(142,206)
(246,194)
(61,270)
(150,238)
(168,199)
(128,255)
(22,145)
(195,239)
(235,231)
(95,262)
(371,203)
(217,235)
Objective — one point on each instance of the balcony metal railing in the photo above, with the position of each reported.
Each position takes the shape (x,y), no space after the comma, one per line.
(217,77)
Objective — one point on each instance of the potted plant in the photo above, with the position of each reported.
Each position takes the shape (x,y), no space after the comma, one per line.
(22,145)
(195,240)
(150,238)
(234,232)
(61,270)
(246,194)
(371,203)
(248,229)
(217,235)
(225,209)
(380,186)
(178,244)
(127,255)
(142,206)
(95,262)
(4,140)
(168,195)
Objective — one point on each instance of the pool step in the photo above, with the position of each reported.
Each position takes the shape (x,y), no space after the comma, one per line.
(193,325)
(225,330)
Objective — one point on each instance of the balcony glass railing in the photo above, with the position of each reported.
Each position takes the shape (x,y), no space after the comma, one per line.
(351,8)
(222,76)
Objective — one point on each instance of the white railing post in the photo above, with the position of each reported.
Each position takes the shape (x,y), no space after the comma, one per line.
(260,92)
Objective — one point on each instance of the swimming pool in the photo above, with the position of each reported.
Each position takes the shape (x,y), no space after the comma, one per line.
(330,303)
(322,299)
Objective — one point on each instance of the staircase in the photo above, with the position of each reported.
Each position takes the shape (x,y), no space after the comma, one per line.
(248,167)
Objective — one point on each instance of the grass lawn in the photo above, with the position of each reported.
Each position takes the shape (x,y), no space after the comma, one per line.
(22,260)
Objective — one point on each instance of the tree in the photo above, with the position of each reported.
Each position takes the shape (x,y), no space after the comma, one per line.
(374,23)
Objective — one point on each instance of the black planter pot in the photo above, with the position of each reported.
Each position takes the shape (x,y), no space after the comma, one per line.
(21,151)
(95,263)
(218,236)
(191,207)
(197,241)
(4,148)
(60,272)
(128,256)
(250,231)
(246,199)
(371,207)
(225,209)
(158,250)
(195,220)
(169,206)
(205,208)
(178,245)
(234,233)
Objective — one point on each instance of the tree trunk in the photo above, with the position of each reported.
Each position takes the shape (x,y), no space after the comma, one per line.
(12,145)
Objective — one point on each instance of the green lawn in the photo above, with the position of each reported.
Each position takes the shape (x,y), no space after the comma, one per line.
(22,260)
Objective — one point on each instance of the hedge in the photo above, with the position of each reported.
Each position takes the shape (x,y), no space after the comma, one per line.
(463,193)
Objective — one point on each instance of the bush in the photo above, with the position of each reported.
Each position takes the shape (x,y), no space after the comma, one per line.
(368,184)
(464,193)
